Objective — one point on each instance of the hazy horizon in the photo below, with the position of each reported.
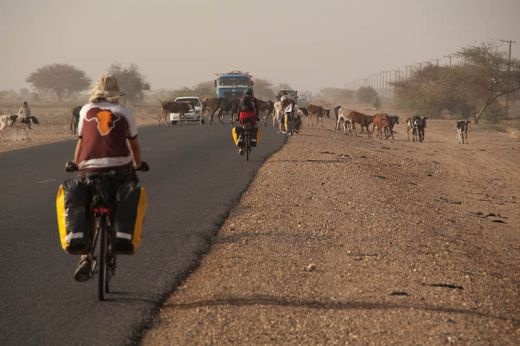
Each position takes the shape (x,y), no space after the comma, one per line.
(307,44)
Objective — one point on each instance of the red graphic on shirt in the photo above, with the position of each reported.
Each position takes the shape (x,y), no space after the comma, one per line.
(105,119)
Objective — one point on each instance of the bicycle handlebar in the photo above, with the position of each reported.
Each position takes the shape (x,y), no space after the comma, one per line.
(70,166)
(144,167)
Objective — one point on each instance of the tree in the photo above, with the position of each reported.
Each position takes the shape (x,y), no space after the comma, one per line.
(469,89)
(497,76)
(63,79)
(434,89)
(368,95)
(131,81)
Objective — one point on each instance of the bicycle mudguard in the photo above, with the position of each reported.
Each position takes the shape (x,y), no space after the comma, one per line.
(72,211)
(128,218)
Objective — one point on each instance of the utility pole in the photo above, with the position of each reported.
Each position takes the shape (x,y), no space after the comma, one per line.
(398,75)
(508,72)
(449,56)
(382,85)
(436,62)
(387,84)
(408,71)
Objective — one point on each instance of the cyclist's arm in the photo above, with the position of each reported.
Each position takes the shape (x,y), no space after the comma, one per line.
(76,152)
(135,149)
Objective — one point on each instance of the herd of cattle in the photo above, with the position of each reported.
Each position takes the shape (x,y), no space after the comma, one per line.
(382,123)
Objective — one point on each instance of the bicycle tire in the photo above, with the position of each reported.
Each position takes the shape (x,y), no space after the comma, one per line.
(103,254)
(248,144)
(109,263)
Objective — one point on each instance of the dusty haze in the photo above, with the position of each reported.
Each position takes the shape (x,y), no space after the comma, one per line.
(308,44)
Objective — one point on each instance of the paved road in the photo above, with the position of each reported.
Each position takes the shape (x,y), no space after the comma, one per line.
(196,176)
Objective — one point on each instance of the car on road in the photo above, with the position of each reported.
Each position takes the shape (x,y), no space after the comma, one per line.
(190,116)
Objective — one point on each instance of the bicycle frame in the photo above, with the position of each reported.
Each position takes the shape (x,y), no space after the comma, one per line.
(102,212)
(246,128)
(101,209)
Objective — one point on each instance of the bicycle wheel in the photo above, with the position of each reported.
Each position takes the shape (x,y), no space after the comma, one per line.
(103,257)
(111,263)
(247,144)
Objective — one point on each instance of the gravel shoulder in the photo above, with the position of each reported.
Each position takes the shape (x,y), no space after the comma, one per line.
(344,239)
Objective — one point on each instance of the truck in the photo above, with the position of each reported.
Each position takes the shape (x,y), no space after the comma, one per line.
(232,85)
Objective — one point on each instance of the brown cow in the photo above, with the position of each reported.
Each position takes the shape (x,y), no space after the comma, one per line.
(75,119)
(218,106)
(319,112)
(362,119)
(211,105)
(381,122)
(168,107)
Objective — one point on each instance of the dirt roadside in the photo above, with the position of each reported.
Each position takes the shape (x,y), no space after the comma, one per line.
(344,239)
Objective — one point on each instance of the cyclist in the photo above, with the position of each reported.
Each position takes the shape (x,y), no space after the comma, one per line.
(247,112)
(107,140)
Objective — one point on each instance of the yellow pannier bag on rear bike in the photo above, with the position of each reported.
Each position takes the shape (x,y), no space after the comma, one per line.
(73,214)
(234,134)
(127,221)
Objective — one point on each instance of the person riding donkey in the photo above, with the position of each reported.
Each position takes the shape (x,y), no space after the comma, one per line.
(24,114)
(247,112)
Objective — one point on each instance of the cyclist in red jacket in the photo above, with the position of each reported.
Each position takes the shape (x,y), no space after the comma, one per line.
(247,112)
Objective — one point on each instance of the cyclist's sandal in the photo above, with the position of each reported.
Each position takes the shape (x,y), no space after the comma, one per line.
(83,272)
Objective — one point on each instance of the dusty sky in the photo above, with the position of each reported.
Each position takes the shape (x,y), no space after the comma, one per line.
(308,44)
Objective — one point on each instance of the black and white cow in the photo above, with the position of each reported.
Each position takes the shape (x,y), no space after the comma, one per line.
(416,125)
(462,131)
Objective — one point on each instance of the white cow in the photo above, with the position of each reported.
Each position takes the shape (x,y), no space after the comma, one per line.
(5,122)
(277,115)
(341,117)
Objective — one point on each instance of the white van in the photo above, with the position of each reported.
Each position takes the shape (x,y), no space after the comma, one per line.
(191,116)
